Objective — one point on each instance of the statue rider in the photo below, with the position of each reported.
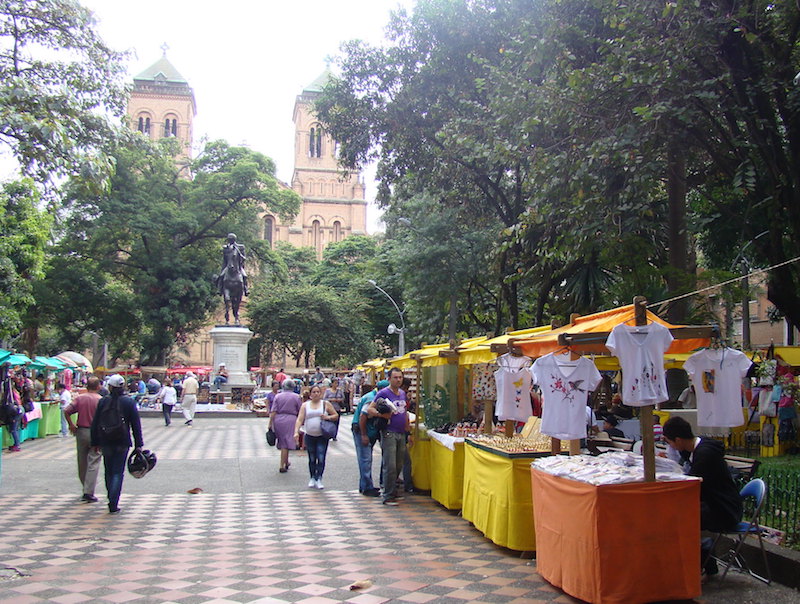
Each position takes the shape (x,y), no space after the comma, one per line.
(233,255)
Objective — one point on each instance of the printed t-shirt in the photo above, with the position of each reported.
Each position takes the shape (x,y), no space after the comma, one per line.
(717,378)
(513,394)
(564,394)
(398,421)
(640,351)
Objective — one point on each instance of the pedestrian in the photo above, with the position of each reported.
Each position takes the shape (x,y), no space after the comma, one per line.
(364,441)
(189,400)
(334,395)
(317,377)
(280,377)
(12,402)
(311,414)
(282,419)
(64,398)
(276,388)
(89,457)
(395,437)
(168,397)
(222,377)
(115,443)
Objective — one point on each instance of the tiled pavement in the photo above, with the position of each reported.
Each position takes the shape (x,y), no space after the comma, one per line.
(292,545)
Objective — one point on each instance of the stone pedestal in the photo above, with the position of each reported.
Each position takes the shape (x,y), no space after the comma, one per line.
(230,347)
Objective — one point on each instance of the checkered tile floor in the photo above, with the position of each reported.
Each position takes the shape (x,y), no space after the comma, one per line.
(289,545)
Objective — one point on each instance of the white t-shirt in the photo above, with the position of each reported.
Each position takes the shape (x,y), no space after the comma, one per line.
(513,393)
(640,351)
(717,378)
(564,393)
(65,397)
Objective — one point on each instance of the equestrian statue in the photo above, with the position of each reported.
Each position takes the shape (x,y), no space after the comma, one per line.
(232,279)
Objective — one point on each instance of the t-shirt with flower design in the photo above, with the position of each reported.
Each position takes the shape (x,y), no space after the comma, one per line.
(565,386)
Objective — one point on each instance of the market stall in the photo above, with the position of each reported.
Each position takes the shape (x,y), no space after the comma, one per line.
(618,543)
(447,469)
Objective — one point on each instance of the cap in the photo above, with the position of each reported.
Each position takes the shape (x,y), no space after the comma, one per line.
(116,381)
(382,384)
(222,364)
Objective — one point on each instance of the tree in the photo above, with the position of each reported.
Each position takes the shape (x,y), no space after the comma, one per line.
(159,234)
(58,80)
(24,232)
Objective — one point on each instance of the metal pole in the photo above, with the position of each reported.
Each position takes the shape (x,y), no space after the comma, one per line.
(402,344)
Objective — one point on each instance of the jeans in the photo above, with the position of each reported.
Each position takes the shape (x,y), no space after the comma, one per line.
(220,379)
(167,411)
(88,460)
(13,428)
(394,454)
(64,426)
(364,458)
(317,447)
(114,458)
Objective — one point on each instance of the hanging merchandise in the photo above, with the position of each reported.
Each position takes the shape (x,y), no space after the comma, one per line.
(565,385)
(513,380)
(483,386)
(640,351)
(717,377)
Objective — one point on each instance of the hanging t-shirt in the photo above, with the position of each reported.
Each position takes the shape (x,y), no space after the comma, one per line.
(717,378)
(513,381)
(640,351)
(565,390)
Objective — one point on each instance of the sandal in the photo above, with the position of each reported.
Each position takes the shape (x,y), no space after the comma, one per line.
(282,470)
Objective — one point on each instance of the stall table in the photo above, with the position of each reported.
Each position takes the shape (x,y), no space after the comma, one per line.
(447,470)
(497,495)
(622,543)
(51,418)
(419,452)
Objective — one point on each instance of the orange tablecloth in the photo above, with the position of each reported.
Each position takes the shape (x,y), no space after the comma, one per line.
(623,543)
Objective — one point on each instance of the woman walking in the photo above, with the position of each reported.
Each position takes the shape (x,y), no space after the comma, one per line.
(311,414)
(334,395)
(282,418)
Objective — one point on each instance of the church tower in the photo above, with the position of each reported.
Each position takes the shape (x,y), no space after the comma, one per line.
(162,104)
(333,204)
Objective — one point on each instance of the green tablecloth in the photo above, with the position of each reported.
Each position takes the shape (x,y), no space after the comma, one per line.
(29,431)
(51,418)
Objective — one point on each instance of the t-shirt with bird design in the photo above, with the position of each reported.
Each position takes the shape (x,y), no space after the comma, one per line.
(565,386)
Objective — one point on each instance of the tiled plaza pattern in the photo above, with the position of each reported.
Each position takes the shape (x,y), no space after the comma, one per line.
(227,545)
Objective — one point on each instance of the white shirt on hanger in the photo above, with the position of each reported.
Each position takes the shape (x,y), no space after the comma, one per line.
(717,378)
(640,351)
(513,381)
(565,385)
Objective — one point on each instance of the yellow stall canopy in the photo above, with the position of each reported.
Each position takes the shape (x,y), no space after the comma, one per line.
(481,352)
(429,355)
(789,355)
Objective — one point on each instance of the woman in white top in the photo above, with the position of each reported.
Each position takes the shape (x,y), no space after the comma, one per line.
(168,397)
(311,413)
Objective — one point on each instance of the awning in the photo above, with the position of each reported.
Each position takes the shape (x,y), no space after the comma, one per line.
(17,359)
(601,322)
(482,352)
(42,363)
(789,355)
(78,359)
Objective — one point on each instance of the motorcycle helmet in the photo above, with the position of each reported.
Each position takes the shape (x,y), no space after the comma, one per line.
(141,462)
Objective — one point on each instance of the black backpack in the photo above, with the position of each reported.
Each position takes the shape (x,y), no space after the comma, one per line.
(111,424)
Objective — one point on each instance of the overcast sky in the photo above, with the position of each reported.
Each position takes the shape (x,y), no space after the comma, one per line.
(246,60)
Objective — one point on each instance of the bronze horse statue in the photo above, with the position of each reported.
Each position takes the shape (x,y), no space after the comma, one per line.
(232,279)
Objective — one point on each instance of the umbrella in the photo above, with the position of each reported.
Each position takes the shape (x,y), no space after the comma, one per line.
(78,359)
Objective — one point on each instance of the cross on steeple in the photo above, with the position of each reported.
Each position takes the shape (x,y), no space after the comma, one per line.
(164,48)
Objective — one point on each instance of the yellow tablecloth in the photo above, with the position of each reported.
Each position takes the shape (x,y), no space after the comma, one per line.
(618,544)
(497,497)
(447,474)
(421,464)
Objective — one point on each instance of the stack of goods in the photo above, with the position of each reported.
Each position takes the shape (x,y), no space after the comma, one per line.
(535,443)
(466,427)
(615,467)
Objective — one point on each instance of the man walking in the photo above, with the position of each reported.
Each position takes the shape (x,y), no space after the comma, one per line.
(364,443)
(64,398)
(189,399)
(89,458)
(114,420)
(393,438)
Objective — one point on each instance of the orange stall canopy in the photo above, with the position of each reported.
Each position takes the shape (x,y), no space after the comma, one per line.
(600,323)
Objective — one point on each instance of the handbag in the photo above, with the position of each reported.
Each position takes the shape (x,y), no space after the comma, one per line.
(328,428)
(271,438)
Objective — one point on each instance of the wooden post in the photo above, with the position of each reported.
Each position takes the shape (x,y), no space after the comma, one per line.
(488,414)
(555,446)
(646,412)
(510,427)
(575,447)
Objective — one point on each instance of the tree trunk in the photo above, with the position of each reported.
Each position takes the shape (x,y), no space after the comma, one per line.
(679,277)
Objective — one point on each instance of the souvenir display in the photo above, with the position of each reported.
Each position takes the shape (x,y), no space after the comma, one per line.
(513,381)
(717,377)
(483,386)
(614,467)
(535,443)
(640,351)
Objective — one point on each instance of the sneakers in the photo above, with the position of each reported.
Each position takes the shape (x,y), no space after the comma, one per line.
(188,422)
(320,486)
(14,449)
(114,511)
(371,493)
(86,498)
(312,484)
(390,501)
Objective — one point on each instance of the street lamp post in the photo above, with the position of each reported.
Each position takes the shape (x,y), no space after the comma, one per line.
(392,329)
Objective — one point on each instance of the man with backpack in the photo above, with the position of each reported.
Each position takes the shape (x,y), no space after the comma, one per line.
(114,420)
(365,435)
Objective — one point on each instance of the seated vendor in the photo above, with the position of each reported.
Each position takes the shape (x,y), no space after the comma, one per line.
(610,423)
(720,504)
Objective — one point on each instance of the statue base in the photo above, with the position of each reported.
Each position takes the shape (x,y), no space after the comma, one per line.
(230,347)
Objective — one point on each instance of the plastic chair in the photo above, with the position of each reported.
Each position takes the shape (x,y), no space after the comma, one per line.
(733,558)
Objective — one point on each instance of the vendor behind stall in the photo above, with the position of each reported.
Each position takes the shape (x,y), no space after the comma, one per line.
(610,423)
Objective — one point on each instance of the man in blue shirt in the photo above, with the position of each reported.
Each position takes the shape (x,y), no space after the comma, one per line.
(364,443)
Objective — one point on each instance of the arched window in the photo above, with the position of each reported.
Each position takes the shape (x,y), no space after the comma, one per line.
(143,124)
(316,239)
(170,127)
(315,141)
(269,229)
(337,231)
